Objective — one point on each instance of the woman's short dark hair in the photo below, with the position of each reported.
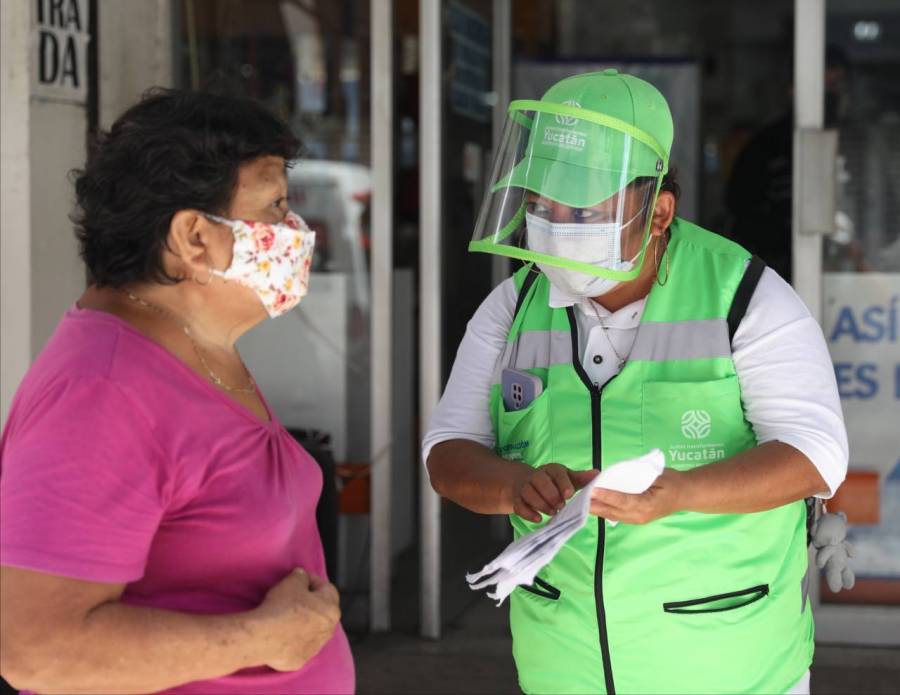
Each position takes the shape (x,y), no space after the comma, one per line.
(173,150)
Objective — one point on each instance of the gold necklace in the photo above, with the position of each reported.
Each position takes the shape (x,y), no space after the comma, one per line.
(187,331)
(606,333)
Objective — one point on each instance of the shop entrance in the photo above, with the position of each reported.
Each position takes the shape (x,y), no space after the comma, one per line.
(787,140)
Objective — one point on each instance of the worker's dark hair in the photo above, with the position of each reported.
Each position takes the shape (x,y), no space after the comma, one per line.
(670,183)
(173,150)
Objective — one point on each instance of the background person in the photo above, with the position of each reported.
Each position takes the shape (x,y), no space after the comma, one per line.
(759,193)
(158,522)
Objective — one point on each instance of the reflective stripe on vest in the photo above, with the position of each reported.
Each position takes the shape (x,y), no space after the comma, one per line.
(654,342)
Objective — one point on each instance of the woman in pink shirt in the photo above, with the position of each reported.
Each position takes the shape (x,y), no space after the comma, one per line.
(158,524)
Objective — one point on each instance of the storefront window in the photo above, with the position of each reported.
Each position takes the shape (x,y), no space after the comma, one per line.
(308,61)
(861,286)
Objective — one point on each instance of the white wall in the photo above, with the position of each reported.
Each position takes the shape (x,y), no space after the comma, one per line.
(135,52)
(42,141)
(58,143)
(15,200)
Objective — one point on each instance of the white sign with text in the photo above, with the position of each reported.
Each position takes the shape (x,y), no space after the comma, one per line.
(59,41)
(862,325)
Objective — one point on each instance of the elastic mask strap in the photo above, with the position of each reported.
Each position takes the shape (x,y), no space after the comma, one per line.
(640,250)
(220,220)
(633,218)
(646,231)
(230,223)
(619,239)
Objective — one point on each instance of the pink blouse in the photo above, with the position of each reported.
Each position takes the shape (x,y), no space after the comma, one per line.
(119,464)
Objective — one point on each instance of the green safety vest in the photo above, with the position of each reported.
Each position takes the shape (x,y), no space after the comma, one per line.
(692,603)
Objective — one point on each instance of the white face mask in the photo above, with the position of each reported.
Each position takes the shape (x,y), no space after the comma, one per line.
(596,244)
(273,260)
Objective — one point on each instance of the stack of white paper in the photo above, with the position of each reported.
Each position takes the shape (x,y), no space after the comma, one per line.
(524,558)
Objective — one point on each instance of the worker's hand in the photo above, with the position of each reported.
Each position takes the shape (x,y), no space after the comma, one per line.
(544,490)
(662,498)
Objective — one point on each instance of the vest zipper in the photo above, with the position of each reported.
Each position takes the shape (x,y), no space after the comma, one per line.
(597,457)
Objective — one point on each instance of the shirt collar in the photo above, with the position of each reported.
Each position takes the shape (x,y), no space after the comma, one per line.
(629,316)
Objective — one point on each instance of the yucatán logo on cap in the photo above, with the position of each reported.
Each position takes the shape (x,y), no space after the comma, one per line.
(568,120)
(565,138)
(696,424)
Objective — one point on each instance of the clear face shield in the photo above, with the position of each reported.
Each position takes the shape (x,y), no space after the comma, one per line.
(572,189)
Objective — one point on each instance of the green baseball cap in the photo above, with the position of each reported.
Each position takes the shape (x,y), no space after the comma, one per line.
(589,136)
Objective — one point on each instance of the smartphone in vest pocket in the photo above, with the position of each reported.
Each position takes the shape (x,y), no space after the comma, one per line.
(520,389)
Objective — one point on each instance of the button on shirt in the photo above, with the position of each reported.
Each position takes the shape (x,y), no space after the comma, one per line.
(605,338)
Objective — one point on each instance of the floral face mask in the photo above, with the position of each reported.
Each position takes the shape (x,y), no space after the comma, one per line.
(273,260)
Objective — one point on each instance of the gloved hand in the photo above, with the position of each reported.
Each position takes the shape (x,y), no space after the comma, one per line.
(833,551)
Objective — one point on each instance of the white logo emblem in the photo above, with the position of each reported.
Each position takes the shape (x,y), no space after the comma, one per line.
(696,424)
(568,120)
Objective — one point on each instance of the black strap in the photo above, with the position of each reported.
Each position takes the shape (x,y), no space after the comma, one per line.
(810,518)
(743,294)
(523,292)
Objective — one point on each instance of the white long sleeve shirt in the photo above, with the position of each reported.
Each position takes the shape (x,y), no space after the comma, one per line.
(788,388)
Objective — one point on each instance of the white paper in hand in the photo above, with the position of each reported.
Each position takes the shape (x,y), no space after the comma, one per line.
(634,476)
(524,558)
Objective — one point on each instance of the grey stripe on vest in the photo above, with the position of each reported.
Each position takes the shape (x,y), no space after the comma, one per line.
(681,340)
(804,589)
(655,342)
(533,349)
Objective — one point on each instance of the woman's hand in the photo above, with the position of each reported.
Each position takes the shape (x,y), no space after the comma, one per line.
(544,490)
(296,619)
(662,498)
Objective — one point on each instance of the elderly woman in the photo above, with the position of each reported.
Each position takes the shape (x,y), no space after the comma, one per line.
(158,522)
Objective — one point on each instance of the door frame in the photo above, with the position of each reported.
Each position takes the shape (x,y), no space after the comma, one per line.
(814,201)
(381,274)
(431,19)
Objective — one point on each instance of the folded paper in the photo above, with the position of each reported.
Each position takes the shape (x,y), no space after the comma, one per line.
(522,559)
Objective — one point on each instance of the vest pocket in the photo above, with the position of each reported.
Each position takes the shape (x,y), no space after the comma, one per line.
(694,422)
(542,589)
(719,602)
(524,435)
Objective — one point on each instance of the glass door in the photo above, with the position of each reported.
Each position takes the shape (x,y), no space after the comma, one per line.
(324,365)
(857,291)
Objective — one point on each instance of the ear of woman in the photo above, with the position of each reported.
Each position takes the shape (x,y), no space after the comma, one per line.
(197,246)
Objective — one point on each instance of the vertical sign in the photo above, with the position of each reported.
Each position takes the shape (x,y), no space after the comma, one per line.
(59,40)
(470,63)
(862,326)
